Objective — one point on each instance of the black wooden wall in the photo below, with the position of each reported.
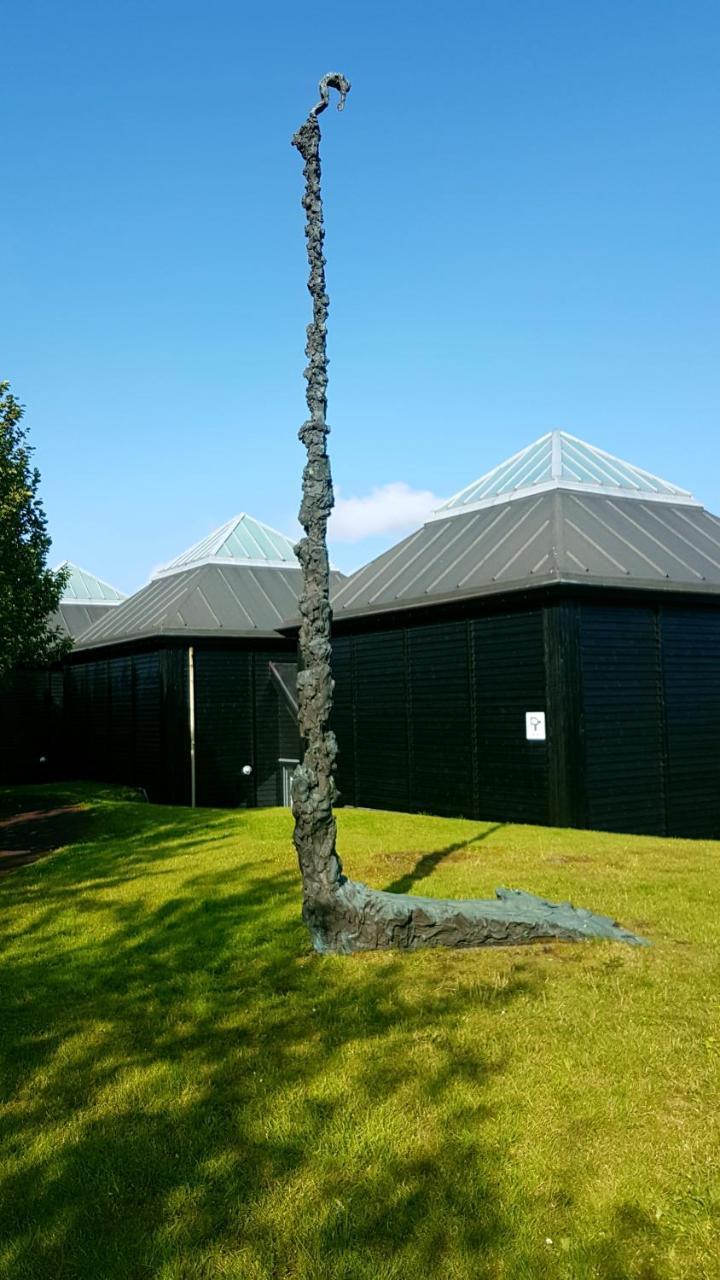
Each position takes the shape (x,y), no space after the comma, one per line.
(223,727)
(690,648)
(650,716)
(240,719)
(431,718)
(127,720)
(622,719)
(31,726)
(509,680)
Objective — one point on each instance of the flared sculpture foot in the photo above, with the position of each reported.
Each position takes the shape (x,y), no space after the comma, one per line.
(356,918)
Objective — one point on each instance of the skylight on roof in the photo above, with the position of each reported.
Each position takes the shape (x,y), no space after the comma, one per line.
(83,587)
(561,461)
(242,540)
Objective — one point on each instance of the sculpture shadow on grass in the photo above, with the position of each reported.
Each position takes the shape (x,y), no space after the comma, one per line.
(425,865)
(178,1079)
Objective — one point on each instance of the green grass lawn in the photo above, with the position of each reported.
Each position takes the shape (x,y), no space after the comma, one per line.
(188,1092)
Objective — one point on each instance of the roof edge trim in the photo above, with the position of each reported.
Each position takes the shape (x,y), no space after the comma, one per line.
(188,636)
(97,604)
(226,562)
(542,581)
(682,499)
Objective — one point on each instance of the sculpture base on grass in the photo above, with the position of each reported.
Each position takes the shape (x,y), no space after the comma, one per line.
(356,918)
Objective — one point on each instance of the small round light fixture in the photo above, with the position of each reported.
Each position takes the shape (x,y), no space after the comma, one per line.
(247,770)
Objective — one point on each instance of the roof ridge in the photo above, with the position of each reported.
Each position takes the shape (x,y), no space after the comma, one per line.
(220,534)
(557,547)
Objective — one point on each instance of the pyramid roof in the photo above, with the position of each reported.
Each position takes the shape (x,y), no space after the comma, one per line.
(243,580)
(83,587)
(242,540)
(559,460)
(560,511)
(85,599)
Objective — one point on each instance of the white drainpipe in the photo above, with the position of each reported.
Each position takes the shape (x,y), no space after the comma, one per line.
(191,720)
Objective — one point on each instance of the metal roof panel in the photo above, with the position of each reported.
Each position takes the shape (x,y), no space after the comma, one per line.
(75,619)
(554,536)
(228,599)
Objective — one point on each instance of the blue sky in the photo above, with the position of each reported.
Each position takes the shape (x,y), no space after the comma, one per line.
(522,205)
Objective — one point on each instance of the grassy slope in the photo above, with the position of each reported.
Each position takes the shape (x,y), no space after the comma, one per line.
(190,1093)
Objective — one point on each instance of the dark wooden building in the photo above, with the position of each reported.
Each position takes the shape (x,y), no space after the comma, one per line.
(188,690)
(31,703)
(546,649)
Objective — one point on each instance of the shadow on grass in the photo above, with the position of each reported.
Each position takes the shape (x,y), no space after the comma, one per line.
(193,1094)
(632,1232)
(429,861)
(189,1078)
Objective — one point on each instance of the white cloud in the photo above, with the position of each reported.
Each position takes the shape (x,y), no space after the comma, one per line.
(388,508)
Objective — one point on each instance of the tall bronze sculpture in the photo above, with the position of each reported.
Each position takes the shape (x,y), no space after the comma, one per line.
(341,914)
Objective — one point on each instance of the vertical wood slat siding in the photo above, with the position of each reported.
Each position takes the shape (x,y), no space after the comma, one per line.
(174,672)
(566,778)
(30,727)
(690,640)
(276,732)
(622,719)
(223,726)
(509,664)
(429,717)
(148,736)
(121,713)
(265,720)
(73,716)
(98,723)
(126,720)
(381,741)
(440,714)
(642,750)
(240,718)
(342,718)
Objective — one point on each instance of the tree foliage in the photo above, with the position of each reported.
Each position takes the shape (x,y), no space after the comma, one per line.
(29,591)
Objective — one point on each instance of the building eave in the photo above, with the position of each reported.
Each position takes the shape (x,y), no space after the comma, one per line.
(175,633)
(567,486)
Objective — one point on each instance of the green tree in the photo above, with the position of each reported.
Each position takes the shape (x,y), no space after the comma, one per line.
(29,591)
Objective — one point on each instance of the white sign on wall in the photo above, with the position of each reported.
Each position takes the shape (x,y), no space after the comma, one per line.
(535,726)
